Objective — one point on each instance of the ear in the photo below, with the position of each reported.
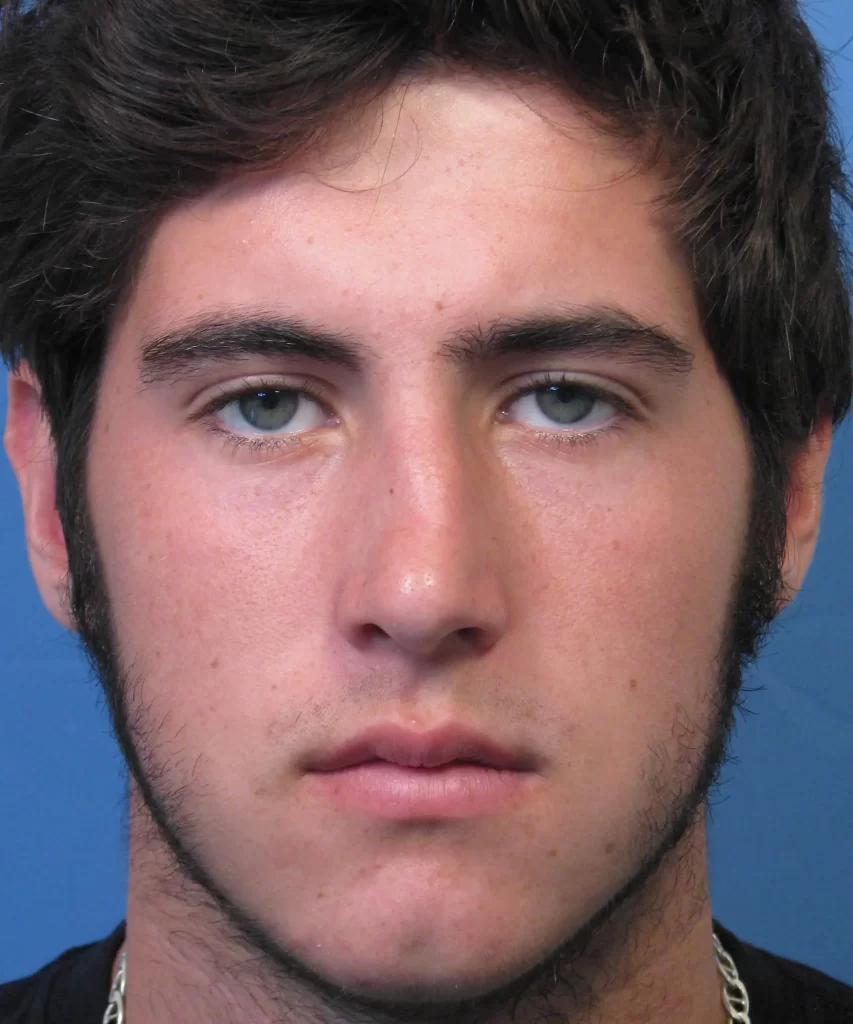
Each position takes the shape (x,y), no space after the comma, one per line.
(31,451)
(805,500)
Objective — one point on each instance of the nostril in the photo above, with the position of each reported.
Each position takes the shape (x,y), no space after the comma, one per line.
(370,631)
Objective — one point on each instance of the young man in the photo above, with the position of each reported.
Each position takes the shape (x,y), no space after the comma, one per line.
(420,410)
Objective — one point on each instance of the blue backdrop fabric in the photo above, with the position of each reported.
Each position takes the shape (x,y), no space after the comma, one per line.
(781,820)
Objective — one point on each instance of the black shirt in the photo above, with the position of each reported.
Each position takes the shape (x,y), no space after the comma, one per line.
(74,988)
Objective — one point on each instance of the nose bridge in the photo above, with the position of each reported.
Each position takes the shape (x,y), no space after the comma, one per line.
(425,548)
(433,496)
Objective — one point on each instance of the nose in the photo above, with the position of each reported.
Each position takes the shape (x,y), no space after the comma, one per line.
(423,570)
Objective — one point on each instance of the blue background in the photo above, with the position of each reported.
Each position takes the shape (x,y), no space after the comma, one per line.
(782,819)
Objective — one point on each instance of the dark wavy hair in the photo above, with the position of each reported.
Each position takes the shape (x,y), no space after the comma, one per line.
(111,110)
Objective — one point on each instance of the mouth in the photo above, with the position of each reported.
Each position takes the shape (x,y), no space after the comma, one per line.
(433,749)
(393,772)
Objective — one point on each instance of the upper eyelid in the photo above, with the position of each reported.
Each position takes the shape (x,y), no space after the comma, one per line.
(227,393)
(545,378)
(555,378)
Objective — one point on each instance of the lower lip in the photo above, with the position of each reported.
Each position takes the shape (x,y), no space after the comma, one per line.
(396,791)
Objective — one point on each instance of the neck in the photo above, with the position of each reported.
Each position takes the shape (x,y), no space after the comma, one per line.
(652,960)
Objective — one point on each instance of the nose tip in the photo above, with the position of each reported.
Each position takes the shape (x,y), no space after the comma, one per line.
(429,591)
(424,617)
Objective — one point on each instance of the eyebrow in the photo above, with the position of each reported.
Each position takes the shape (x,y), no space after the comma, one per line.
(193,346)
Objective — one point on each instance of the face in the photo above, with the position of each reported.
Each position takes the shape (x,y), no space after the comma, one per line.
(500,507)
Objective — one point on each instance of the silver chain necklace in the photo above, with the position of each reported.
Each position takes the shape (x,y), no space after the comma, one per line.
(115,1007)
(735,998)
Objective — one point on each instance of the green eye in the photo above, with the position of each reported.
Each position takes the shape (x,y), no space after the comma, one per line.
(268,410)
(566,404)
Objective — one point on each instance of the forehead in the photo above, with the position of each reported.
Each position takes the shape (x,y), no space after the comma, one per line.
(448,199)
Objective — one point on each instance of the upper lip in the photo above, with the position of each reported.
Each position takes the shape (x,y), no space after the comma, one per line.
(431,749)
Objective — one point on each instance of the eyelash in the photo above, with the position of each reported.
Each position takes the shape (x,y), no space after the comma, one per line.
(260,443)
(263,443)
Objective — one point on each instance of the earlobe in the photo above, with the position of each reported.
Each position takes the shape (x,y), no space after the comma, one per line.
(31,451)
(805,500)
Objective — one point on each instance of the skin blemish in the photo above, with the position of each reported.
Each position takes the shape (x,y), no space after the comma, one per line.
(553,853)
(215,663)
(611,846)
(439,304)
(632,685)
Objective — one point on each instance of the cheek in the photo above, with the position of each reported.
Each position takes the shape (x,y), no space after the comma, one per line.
(200,560)
(636,561)
(203,613)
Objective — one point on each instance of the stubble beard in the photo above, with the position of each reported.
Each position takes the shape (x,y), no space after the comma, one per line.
(575,974)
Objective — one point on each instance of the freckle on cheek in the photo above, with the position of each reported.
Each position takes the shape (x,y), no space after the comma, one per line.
(632,685)
(611,846)
(215,663)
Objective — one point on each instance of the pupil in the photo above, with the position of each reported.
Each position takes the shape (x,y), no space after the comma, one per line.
(269,410)
(565,403)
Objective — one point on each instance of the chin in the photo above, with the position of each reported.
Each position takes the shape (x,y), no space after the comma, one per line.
(443,967)
(418,984)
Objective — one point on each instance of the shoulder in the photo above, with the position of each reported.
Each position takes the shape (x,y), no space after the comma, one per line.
(72,989)
(783,991)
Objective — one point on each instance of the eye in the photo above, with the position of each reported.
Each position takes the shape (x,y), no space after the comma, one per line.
(564,403)
(265,410)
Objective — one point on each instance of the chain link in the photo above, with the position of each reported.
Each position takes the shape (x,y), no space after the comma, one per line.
(735,997)
(115,1007)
